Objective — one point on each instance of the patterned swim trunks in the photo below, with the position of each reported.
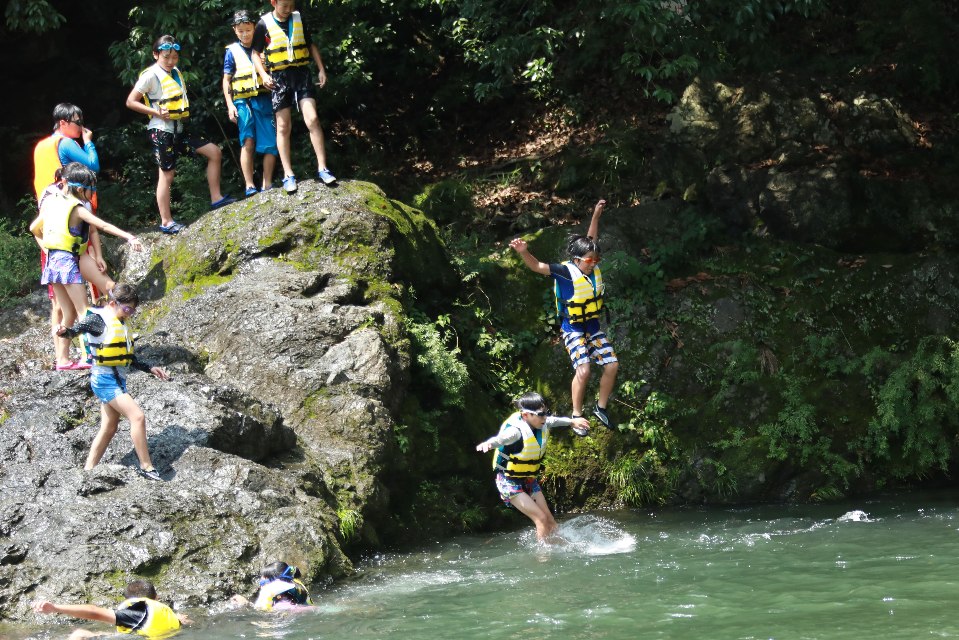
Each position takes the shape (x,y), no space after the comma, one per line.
(583,347)
(509,487)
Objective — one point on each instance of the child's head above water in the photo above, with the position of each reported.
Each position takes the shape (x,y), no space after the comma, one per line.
(279,570)
(140,588)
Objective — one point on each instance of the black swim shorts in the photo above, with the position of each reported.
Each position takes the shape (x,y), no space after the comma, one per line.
(293,84)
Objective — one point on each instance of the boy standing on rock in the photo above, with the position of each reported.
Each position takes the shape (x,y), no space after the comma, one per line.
(287,49)
(140,613)
(579,299)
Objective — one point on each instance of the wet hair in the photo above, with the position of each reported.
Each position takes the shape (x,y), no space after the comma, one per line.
(241,16)
(531,401)
(162,40)
(78,174)
(140,589)
(124,293)
(579,246)
(280,570)
(65,111)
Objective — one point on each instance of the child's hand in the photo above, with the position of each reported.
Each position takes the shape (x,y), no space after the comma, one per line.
(598,209)
(182,617)
(232,112)
(483,447)
(581,423)
(240,600)
(268,82)
(163,113)
(87,136)
(519,244)
(101,265)
(322,78)
(160,373)
(42,606)
(59,329)
(135,244)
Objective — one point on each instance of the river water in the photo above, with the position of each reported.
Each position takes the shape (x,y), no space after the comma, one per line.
(871,569)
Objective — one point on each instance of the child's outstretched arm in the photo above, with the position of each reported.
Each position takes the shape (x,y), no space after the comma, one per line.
(94,221)
(539,267)
(85,611)
(594,224)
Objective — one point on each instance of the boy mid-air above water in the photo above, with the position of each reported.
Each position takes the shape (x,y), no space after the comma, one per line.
(287,50)
(579,300)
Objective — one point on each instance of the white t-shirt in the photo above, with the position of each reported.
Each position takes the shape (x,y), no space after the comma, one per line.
(149,85)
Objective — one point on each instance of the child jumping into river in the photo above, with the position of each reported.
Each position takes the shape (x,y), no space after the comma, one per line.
(280,588)
(579,299)
(140,613)
(112,343)
(520,448)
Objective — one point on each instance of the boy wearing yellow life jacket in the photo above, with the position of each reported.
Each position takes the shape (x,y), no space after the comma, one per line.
(579,292)
(280,588)
(520,448)
(161,93)
(283,67)
(248,104)
(112,342)
(139,613)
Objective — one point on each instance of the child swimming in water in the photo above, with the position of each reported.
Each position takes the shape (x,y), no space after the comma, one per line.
(280,589)
(520,448)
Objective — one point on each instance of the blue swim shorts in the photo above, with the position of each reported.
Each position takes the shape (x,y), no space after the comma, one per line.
(583,347)
(106,388)
(509,487)
(255,119)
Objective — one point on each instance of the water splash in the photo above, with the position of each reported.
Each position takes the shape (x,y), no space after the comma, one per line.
(587,535)
(855,516)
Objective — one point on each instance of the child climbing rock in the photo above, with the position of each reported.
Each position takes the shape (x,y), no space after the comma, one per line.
(280,588)
(579,293)
(520,446)
(140,613)
(112,343)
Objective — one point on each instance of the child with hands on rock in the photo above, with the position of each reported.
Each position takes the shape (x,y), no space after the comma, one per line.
(579,290)
(520,447)
(112,343)
(139,613)
(63,230)
(280,588)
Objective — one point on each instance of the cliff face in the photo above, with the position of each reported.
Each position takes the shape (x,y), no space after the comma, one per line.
(280,321)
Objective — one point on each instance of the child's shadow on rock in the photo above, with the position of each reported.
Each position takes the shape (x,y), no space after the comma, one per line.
(166,448)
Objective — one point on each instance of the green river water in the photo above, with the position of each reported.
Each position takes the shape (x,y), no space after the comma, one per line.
(874,569)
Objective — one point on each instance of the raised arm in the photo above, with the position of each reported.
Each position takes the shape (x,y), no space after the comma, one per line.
(508,436)
(539,267)
(594,224)
(85,611)
(94,221)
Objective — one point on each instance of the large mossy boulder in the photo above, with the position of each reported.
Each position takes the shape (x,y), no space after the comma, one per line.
(281,319)
(764,371)
(832,165)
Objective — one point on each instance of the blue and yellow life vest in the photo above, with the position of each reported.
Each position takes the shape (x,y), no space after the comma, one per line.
(282,589)
(56,225)
(523,458)
(285,50)
(587,300)
(173,95)
(114,347)
(160,619)
(245,82)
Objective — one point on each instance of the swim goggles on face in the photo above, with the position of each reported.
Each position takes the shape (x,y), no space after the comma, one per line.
(77,185)
(539,414)
(166,46)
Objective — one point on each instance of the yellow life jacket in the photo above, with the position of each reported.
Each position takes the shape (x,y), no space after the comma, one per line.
(587,300)
(280,589)
(56,225)
(159,619)
(46,161)
(245,81)
(173,95)
(523,458)
(114,347)
(285,51)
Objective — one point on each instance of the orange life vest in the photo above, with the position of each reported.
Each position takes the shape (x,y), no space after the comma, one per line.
(46,161)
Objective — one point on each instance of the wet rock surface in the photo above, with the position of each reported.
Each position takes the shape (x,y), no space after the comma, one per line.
(278,320)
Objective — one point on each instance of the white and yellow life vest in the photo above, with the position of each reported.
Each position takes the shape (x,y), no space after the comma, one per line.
(245,82)
(173,94)
(285,51)
(114,347)
(282,589)
(523,458)
(587,300)
(56,225)
(160,619)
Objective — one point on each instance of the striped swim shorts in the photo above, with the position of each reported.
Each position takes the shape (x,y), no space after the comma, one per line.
(583,347)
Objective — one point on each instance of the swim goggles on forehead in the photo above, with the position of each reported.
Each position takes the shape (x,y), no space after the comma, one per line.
(77,185)
(287,575)
(166,46)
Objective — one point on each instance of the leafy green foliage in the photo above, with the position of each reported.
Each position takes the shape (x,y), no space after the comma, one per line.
(351,522)
(19,262)
(437,359)
(33,16)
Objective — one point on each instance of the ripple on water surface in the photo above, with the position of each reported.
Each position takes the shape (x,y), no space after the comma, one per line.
(882,569)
